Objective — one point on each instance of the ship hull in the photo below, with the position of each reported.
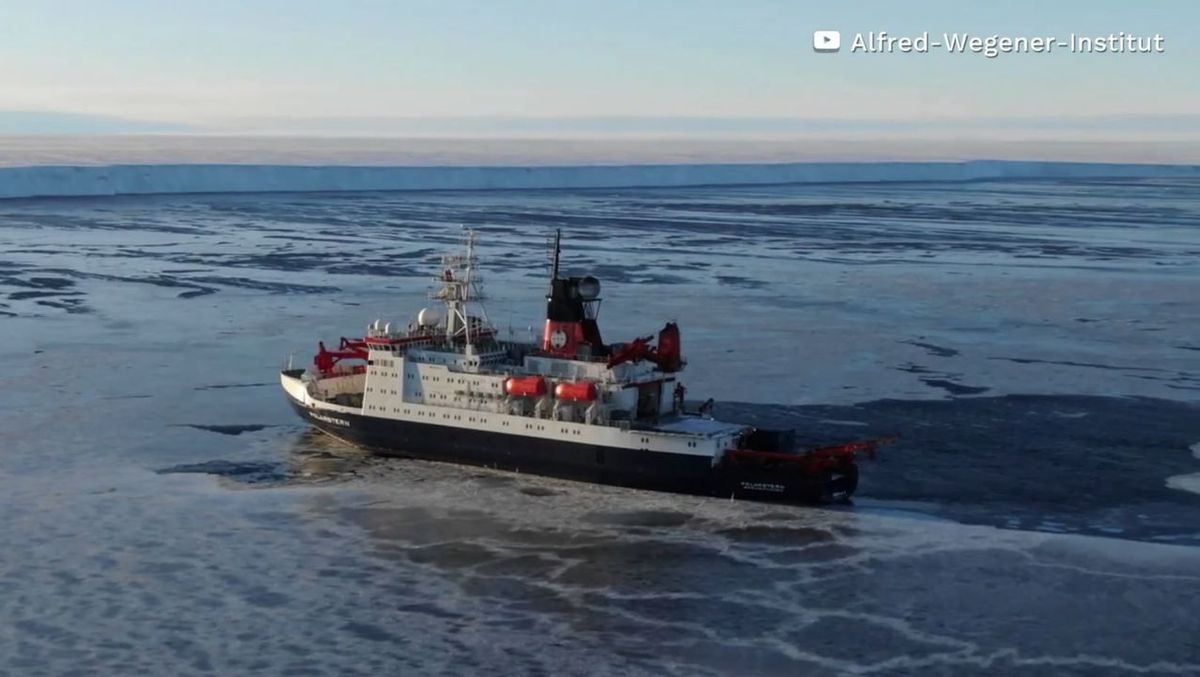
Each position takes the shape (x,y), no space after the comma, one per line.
(677,473)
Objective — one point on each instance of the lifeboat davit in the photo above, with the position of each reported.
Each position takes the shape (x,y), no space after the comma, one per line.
(525,386)
(576,391)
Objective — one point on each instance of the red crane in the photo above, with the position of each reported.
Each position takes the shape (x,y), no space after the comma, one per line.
(348,349)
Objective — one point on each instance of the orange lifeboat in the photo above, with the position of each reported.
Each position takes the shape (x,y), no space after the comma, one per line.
(525,386)
(578,391)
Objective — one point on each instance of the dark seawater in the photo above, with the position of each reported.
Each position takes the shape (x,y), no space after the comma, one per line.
(1036,345)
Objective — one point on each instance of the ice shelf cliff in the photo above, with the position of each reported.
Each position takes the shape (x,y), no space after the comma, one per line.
(148,179)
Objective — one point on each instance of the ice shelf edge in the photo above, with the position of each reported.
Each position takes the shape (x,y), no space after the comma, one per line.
(151,179)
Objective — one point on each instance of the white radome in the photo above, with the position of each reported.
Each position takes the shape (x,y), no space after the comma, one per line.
(428,317)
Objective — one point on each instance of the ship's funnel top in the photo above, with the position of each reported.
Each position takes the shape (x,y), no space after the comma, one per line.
(571,310)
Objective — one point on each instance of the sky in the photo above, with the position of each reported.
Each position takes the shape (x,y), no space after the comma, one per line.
(525,66)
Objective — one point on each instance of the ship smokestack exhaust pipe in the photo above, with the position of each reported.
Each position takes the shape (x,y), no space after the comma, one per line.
(572,308)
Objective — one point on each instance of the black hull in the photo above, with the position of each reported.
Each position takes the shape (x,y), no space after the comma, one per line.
(678,473)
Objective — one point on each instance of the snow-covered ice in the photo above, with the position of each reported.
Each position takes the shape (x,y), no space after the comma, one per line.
(1189,482)
(1033,343)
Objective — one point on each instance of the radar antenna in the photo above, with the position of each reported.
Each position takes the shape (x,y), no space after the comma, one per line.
(461,286)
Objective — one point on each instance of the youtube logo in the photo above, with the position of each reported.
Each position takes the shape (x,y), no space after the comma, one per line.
(827,41)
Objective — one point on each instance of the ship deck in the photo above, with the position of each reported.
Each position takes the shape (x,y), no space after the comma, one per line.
(695,425)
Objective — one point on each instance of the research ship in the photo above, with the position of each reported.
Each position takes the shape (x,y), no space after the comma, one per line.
(447,387)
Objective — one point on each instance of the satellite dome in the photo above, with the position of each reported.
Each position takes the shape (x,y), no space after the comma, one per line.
(428,317)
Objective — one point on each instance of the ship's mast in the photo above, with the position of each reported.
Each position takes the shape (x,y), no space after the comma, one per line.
(461,286)
(555,250)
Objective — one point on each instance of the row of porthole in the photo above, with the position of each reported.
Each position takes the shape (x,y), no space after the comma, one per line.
(446,416)
(463,381)
(528,426)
